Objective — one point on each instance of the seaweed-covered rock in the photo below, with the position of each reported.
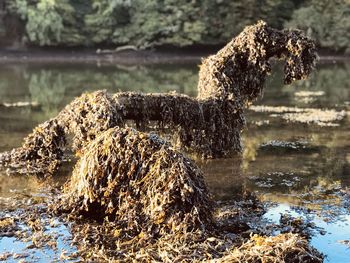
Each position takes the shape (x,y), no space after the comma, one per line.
(209,125)
(87,116)
(41,151)
(238,71)
(141,183)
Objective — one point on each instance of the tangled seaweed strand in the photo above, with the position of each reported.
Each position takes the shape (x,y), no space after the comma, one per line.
(140,182)
(195,247)
(210,124)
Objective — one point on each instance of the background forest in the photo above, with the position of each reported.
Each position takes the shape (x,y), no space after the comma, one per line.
(152,23)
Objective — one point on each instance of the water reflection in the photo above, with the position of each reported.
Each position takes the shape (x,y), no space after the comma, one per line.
(331,79)
(53,87)
(47,88)
(329,241)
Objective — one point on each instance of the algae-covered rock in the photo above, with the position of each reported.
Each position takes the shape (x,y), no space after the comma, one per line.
(140,182)
(41,151)
(238,71)
(209,125)
(87,116)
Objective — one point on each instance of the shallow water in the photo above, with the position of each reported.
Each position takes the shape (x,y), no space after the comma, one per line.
(298,168)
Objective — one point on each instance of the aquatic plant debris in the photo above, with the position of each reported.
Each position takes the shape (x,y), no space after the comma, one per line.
(140,182)
(319,117)
(151,204)
(308,96)
(132,196)
(281,248)
(41,151)
(235,224)
(36,235)
(209,125)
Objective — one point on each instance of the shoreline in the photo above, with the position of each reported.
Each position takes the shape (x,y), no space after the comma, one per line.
(124,57)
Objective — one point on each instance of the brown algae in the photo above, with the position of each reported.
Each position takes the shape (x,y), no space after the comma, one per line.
(132,196)
(281,248)
(209,125)
(138,181)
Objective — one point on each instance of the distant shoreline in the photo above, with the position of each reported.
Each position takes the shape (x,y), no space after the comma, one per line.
(168,56)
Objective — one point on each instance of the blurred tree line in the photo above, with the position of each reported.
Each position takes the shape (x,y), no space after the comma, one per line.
(150,23)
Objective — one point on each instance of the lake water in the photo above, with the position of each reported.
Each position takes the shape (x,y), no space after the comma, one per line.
(297,168)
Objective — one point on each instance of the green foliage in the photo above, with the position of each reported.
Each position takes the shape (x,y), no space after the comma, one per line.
(106,18)
(149,23)
(44,23)
(327,21)
(53,88)
(48,22)
(173,22)
(145,23)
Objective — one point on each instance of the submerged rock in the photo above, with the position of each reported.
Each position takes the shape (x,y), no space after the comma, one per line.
(297,146)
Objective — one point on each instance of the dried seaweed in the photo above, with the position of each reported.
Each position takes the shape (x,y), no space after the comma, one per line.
(281,248)
(140,182)
(228,241)
(237,73)
(209,125)
(41,151)
(133,197)
(88,115)
(95,241)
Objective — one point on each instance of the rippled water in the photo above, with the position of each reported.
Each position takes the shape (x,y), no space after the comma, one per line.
(298,168)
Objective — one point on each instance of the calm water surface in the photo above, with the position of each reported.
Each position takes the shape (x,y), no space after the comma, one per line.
(306,173)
